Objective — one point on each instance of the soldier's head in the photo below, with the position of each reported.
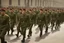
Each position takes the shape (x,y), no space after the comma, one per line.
(2,11)
(34,9)
(23,11)
(11,10)
(30,10)
(20,10)
(41,10)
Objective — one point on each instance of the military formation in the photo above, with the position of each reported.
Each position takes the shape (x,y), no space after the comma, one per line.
(25,18)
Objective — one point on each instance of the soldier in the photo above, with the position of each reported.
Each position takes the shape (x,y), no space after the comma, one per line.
(53,19)
(58,20)
(8,12)
(19,15)
(4,24)
(12,16)
(47,20)
(30,24)
(23,23)
(36,12)
(40,21)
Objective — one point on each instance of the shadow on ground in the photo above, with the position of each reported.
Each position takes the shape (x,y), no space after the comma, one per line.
(53,31)
(43,37)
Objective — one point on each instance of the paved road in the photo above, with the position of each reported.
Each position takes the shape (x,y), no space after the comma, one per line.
(55,37)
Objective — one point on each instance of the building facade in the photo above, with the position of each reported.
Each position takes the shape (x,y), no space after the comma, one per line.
(32,3)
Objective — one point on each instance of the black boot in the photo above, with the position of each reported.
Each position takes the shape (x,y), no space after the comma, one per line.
(5,42)
(17,35)
(12,32)
(40,28)
(23,40)
(46,30)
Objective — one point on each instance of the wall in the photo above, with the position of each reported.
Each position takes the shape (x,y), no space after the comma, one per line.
(47,3)
(4,3)
(14,2)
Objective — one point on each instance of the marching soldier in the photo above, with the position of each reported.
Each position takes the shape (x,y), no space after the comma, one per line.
(12,16)
(58,20)
(23,23)
(8,12)
(30,24)
(53,20)
(19,15)
(47,20)
(40,21)
(4,24)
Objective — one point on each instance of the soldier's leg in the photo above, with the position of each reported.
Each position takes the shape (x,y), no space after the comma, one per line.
(3,40)
(40,27)
(24,35)
(52,25)
(30,31)
(18,30)
(12,30)
(46,31)
(17,33)
(8,32)
(3,33)
(8,28)
(57,26)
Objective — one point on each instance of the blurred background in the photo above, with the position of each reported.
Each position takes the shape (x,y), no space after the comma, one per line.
(32,3)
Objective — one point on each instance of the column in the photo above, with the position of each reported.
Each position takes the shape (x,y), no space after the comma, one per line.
(10,2)
(0,3)
(4,3)
(31,2)
(14,3)
(35,2)
(27,3)
(22,3)
(38,3)
(43,3)
(18,2)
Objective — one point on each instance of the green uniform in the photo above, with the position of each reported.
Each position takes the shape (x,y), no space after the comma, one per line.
(58,20)
(18,18)
(12,16)
(4,26)
(40,22)
(23,23)
(47,21)
(35,16)
(8,12)
(30,24)
(17,14)
(53,19)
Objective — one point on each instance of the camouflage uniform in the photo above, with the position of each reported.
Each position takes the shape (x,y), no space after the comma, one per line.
(47,21)
(4,26)
(53,20)
(12,16)
(30,24)
(23,23)
(40,22)
(8,12)
(18,17)
(58,20)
